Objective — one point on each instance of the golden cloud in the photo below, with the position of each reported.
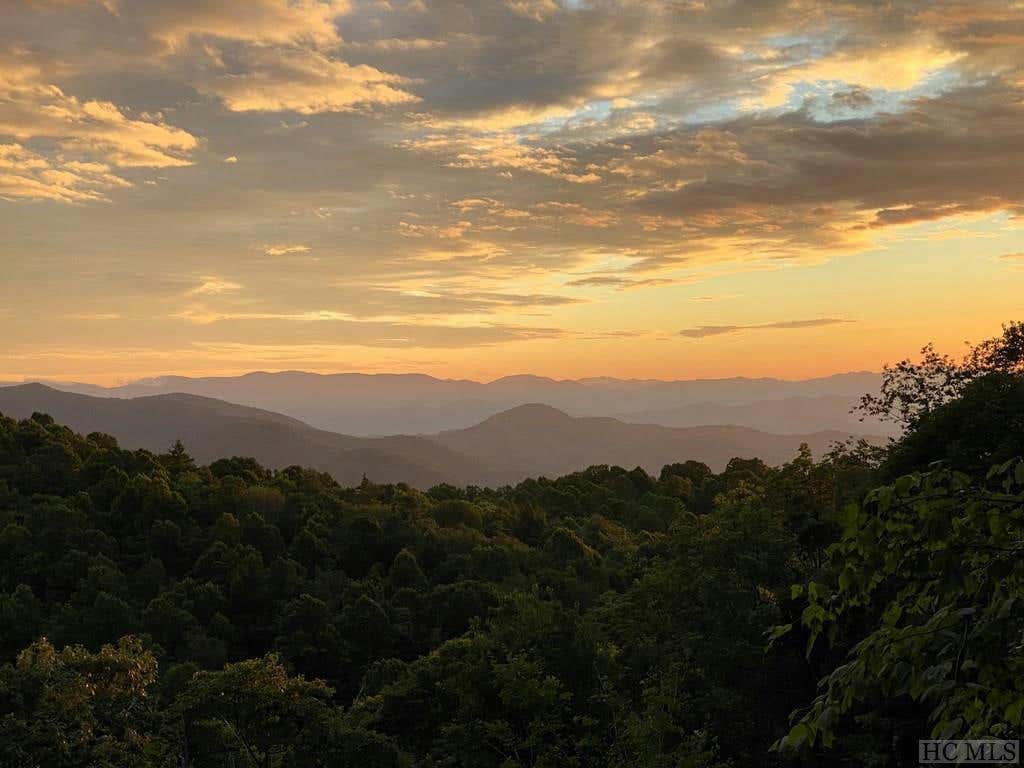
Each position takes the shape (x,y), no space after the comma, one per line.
(260,21)
(537,10)
(304,81)
(898,68)
(703,331)
(213,286)
(284,250)
(28,175)
(580,215)
(502,151)
(84,139)
(95,128)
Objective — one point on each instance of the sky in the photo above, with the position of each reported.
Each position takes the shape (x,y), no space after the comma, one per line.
(476,188)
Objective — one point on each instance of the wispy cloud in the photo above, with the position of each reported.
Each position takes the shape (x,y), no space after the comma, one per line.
(305,81)
(284,250)
(213,286)
(503,151)
(97,316)
(619,282)
(703,331)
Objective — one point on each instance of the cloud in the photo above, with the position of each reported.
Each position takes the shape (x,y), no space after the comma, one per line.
(408,302)
(96,316)
(259,21)
(533,9)
(502,151)
(340,328)
(854,98)
(894,68)
(27,175)
(619,282)
(93,128)
(214,286)
(696,152)
(451,232)
(510,62)
(301,80)
(810,184)
(580,215)
(284,250)
(393,44)
(76,143)
(703,331)
(202,315)
(419,301)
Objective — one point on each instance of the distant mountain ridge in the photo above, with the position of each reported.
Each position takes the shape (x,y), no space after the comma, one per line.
(525,441)
(213,429)
(383,404)
(789,415)
(534,440)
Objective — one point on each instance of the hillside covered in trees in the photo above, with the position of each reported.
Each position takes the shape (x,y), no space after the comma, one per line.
(156,612)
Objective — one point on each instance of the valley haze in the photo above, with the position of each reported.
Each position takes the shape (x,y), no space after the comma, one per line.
(460,432)
(382,404)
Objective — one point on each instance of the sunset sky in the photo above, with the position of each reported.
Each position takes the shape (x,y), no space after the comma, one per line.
(630,188)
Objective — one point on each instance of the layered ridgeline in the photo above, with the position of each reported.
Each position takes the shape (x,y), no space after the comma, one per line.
(381,404)
(526,441)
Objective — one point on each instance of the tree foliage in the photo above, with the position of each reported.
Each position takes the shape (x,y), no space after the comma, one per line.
(913,389)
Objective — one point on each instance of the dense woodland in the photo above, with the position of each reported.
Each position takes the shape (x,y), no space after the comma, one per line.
(158,613)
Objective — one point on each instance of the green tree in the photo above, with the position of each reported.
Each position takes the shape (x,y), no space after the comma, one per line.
(926,595)
(250,714)
(73,708)
(913,389)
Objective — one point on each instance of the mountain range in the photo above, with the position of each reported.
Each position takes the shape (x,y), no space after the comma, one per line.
(524,441)
(386,404)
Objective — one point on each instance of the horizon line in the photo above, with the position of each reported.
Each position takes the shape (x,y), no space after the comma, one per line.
(146,380)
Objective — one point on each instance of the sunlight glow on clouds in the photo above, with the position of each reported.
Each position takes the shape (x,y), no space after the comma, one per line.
(305,82)
(260,21)
(34,109)
(893,69)
(212,286)
(496,178)
(25,174)
(503,151)
(284,250)
(703,331)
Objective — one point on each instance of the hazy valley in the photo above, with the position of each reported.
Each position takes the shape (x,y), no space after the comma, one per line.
(506,447)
